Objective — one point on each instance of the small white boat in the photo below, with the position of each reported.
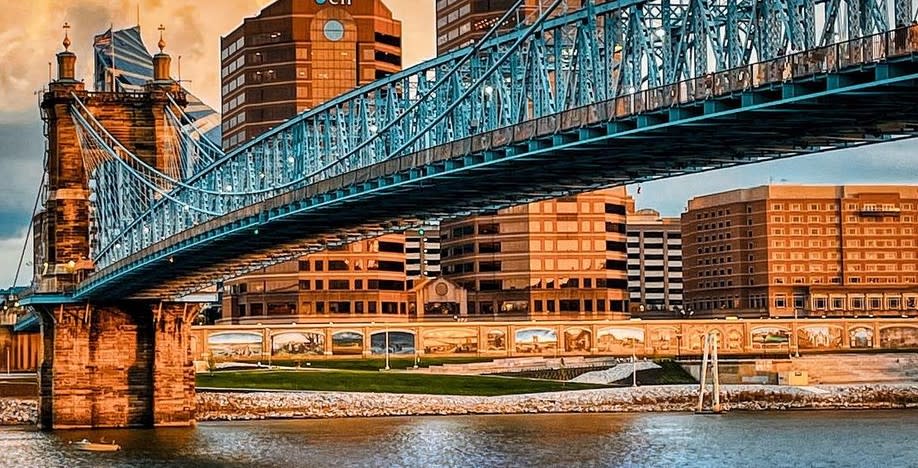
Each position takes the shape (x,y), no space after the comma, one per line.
(88,446)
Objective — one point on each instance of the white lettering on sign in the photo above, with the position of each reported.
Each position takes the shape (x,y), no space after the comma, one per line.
(335,2)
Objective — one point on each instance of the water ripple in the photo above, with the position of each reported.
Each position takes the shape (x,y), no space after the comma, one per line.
(830,439)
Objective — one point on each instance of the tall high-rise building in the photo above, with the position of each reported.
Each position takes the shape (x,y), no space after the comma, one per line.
(654,265)
(564,257)
(782,250)
(297,54)
(462,22)
(124,65)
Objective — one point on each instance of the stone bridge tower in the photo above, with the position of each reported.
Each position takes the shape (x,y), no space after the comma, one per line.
(118,363)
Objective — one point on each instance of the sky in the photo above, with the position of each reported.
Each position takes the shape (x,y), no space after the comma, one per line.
(30,35)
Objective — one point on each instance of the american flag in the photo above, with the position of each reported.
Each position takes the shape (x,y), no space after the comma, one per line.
(103,40)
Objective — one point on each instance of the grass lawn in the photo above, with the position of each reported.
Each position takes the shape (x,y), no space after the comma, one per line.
(382,382)
(374,364)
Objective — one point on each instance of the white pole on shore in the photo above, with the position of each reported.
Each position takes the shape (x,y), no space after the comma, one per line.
(704,374)
(716,372)
(387,347)
(633,367)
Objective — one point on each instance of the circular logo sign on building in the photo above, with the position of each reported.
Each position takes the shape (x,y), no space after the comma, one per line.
(334,30)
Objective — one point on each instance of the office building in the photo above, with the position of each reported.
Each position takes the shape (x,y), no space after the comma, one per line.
(781,250)
(122,64)
(654,265)
(563,257)
(374,277)
(297,54)
(462,22)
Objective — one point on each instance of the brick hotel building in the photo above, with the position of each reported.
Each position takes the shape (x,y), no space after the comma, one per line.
(297,54)
(815,250)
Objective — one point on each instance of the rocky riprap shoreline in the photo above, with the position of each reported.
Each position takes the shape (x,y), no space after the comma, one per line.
(15,412)
(242,406)
(233,406)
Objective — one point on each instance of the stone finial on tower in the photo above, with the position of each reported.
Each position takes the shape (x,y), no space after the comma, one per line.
(66,42)
(66,60)
(162,62)
(162,42)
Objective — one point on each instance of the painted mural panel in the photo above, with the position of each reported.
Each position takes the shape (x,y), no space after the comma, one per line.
(664,338)
(451,341)
(620,340)
(819,337)
(732,338)
(235,345)
(770,337)
(861,337)
(693,338)
(898,337)
(294,344)
(536,341)
(347,343)
(497,340)
(578,340)
(400,342)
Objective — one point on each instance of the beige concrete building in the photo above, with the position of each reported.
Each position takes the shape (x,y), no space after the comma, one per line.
(562,257)
(811,250)
(297,54)
(654,265)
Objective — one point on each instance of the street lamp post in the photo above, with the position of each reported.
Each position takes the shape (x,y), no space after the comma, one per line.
(633,364)
(387,346)
(796,337)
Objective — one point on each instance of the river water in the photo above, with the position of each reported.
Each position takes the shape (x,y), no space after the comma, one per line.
(739,439)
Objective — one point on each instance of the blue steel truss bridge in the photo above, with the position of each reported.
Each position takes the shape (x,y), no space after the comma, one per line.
(570,101)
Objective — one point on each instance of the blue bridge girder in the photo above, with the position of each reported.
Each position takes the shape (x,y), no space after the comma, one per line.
(611,94)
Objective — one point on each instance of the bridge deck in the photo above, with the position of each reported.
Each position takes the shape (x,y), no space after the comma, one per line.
(810,102)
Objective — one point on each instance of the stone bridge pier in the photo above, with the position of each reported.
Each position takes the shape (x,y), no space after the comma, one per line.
(126,364)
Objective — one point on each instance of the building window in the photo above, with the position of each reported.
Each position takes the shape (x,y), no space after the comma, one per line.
(569,305)
(338,285)
(780,302)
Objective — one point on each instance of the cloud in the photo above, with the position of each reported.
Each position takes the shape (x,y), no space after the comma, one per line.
(886,163)
(10,249)
(30,35)
(21,157)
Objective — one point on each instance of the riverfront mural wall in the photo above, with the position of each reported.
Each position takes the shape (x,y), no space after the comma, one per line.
(662,338)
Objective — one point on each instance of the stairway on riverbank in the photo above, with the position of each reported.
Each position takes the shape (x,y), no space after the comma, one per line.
(830,369)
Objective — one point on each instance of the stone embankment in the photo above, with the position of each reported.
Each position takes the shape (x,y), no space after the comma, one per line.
(218,406)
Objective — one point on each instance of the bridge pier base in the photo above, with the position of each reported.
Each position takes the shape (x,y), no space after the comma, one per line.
(116,365)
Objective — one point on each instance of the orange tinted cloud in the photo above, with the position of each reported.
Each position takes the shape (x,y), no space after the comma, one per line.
(30,35)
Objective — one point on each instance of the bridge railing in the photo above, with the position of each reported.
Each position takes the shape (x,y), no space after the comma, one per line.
(171,218)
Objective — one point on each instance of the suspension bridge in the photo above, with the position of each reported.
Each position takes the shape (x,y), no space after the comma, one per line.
(612,93)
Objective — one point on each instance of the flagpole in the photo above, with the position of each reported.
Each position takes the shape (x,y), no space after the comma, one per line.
(111,31)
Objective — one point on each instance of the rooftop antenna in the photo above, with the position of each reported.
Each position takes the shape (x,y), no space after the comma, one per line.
(138,15)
